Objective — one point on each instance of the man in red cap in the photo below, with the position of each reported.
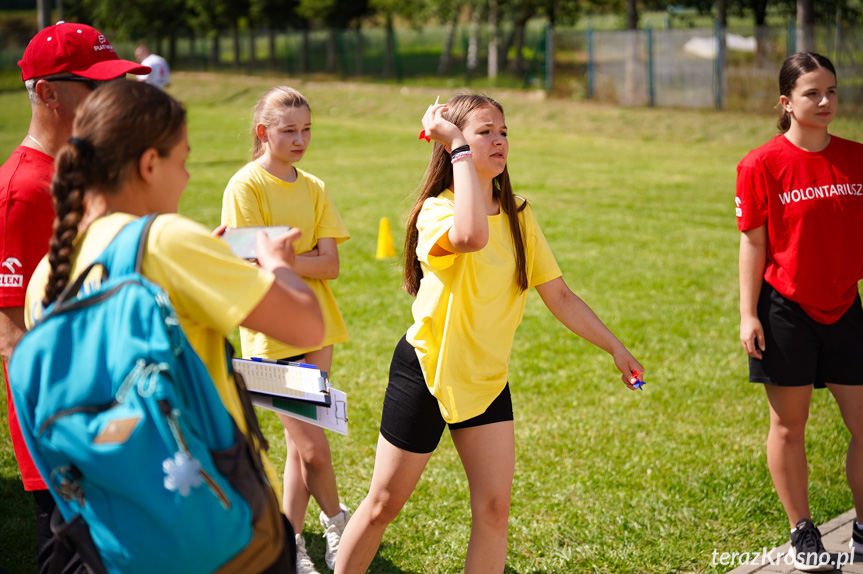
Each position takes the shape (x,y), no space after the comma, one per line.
(61,66)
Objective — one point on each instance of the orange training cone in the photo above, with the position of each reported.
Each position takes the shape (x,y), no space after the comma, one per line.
(385,240)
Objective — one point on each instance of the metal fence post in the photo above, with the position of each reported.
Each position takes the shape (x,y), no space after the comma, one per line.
(345,50)
(791,40)
(549,59)
(837,37)
(651,87)
(717,65)
(397,64)
(591,71)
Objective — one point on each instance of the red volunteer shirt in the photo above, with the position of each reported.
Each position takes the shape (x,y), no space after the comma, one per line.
(812,203)
(26,217)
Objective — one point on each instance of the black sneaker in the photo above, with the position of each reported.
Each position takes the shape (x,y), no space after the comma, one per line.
(809,553)
(856,538)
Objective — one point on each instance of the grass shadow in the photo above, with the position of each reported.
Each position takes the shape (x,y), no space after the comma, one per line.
(17,528)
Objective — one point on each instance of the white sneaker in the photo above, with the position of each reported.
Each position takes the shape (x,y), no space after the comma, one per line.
(304,563)
(333,528)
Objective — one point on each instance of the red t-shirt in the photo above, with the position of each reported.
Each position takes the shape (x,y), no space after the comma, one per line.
(812,203)
(26,217)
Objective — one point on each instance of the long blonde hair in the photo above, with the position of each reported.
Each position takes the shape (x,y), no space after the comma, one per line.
(438,177)
(267,111)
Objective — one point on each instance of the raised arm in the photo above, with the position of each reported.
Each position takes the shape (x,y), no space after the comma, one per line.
(579,318)
(288,297)
(753,259)
(469,231)
(322,262)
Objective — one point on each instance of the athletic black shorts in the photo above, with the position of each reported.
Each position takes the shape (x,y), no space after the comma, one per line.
(801,351)
(411,418)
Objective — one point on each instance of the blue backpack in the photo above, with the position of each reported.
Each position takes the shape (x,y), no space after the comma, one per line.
(149,470)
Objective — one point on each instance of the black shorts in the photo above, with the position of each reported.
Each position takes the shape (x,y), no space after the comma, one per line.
(801,351)
(411,418)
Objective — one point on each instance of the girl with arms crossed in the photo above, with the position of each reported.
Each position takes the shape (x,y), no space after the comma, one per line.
(270,190)
(472,251)
(104,179)
(799,209)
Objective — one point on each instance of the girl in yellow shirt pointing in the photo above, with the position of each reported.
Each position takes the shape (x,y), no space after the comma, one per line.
(472,251)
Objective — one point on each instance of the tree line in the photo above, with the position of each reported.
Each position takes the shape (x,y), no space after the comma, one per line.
(502,21)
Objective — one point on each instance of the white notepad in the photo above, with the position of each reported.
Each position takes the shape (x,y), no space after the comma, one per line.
(284,380)
(334,417)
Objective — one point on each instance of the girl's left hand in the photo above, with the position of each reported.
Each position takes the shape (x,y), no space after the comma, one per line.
(628,365)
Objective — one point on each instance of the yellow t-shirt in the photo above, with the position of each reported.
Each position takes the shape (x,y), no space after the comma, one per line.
(211,289)
(255,197)
(469,306)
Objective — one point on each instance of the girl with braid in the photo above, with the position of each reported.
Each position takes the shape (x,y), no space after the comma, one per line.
(126,159)
(472,251)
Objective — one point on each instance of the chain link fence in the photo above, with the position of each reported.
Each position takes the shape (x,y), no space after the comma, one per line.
(688,67)
(694,68)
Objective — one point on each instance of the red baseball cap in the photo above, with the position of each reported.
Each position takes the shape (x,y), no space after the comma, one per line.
(76,49)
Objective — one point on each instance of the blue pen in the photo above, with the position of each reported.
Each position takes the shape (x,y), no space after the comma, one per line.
(304,365)
(283,362)
(295,364)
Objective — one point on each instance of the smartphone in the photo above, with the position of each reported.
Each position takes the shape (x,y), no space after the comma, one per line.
(242,240)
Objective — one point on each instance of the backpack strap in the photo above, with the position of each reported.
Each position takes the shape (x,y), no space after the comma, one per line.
(124,255)
(254,428)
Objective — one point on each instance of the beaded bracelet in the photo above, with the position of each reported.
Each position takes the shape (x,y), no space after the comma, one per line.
(460,149)
(457,157)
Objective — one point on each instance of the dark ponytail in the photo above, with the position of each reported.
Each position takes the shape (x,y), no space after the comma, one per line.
(113,127)
(794,67)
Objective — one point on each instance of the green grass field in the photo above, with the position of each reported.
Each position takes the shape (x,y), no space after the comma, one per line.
(638,207)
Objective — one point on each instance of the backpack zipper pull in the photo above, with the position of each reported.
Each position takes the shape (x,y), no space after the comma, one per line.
(180,470)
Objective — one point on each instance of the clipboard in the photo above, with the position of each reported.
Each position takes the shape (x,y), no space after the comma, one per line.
(334,417)
(281,379)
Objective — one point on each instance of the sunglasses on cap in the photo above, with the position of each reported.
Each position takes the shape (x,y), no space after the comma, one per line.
(93,84)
